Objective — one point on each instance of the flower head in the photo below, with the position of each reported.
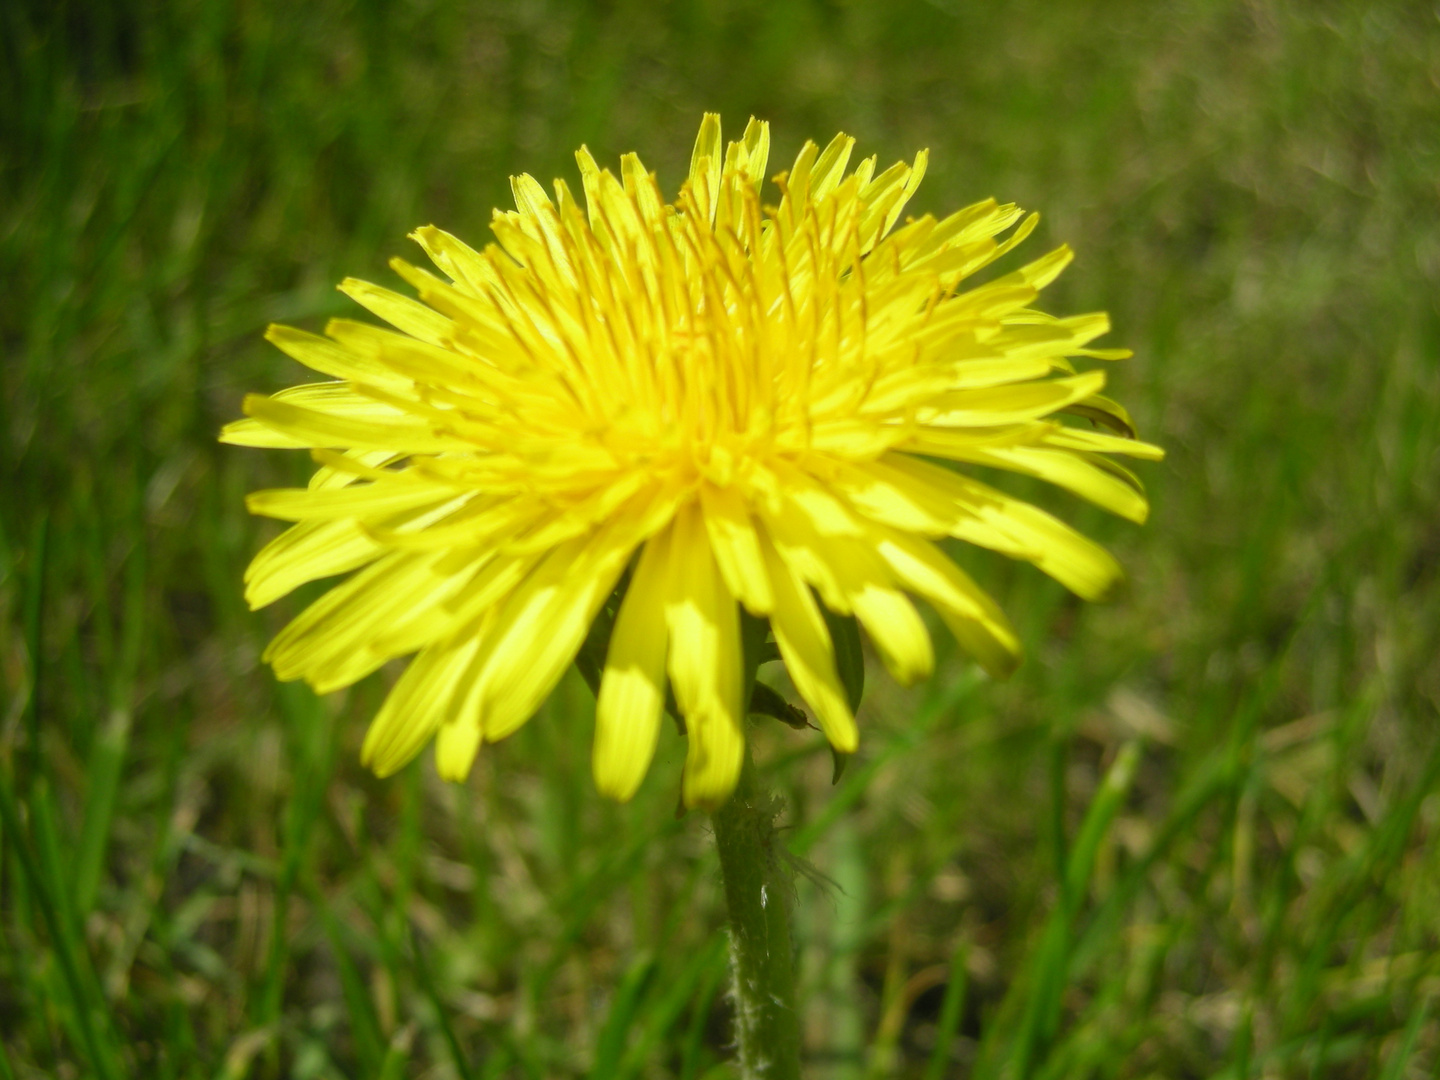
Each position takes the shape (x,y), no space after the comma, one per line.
(738,403)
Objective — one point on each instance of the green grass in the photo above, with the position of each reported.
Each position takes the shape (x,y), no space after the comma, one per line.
(1193,837)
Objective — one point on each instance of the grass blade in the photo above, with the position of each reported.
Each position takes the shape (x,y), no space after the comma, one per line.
(77,975)
(610,1045)
(107,755)
(1037,997)
(1399,1063)
(442,1016)
(701,969)
(952,1009)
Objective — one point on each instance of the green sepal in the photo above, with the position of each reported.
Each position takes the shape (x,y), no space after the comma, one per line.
(849,657)
(767,701)
(590,660)
(755,645)
(1101,410)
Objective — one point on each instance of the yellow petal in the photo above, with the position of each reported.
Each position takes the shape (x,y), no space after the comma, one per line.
(340,399)
(328,357)
(1047,268)
(406,360)
(463,264)
(973,618)
(948,442)
(1071,472)
(480,521)
(330,643)
(582,517)
(714,755)
(539,629)
(756,141)
(542,221)
(462,578)
(456,744)
(885,196)
(332,428)
(306,552)
(253,433)
(399,311)
(642,187)
(379,500)
(896,630)
(1010,404)
(978,514)
(826,544)
(737,548)
(919,385)
(544,621)
(632,689)
(704,663)
(705,163)
(856,438)
(808,652)
(416,706)
(343,469)
(1098,442)
(487,589)
(799,548)
(830,166)
(897,498)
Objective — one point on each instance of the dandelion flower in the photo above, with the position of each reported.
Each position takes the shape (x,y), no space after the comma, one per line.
(737,403)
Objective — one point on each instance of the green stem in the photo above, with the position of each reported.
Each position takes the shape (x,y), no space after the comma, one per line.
(767,1027)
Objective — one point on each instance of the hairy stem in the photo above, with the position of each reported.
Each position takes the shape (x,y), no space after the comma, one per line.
(767,1027)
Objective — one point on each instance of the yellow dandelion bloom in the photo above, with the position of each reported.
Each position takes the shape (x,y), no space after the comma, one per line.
(741,404)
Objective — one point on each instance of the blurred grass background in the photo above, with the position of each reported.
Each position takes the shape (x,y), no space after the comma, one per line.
(1193,837)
